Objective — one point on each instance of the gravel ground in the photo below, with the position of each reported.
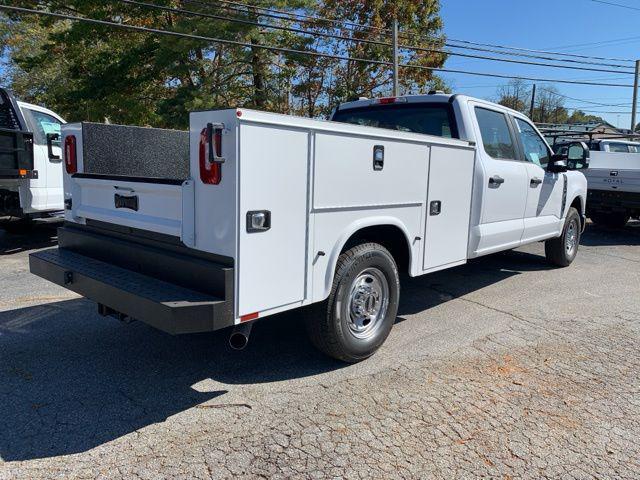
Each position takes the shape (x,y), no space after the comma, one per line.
(501,368)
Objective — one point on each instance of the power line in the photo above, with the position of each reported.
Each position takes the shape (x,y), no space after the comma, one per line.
(616,5)
(387,31)
(294,51)
(529,55)
(520,49)
(358,40)
(603,42)
(583,101)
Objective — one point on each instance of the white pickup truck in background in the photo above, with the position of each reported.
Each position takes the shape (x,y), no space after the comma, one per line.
(30,162)
(250,213)
(613,177)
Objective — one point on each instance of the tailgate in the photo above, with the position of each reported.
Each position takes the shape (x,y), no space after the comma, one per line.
(613,179)
(155,205)
(132,177)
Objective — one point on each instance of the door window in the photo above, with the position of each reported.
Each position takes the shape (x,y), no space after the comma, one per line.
(535,148)
(618,148)
(496,136)
(40,124)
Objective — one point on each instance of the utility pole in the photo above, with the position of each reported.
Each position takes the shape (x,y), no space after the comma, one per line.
(396,87)
(635,97)
(533,101)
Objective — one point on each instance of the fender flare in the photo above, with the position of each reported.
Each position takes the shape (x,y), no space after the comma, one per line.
(349,231)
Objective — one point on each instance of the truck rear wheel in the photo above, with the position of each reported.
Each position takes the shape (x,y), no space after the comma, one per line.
(612,220)
(561,251)
(362,305)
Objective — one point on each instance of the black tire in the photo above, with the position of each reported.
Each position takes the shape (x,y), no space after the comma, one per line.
(561,251)
(611,220)
(334,331)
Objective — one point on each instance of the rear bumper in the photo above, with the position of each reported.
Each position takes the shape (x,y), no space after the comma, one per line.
(165,287)
(613,201)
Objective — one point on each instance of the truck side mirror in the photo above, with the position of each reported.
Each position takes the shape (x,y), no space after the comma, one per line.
(577,156)
(51,138)
(557,163)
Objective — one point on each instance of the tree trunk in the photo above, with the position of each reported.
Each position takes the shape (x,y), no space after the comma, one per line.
(257,69)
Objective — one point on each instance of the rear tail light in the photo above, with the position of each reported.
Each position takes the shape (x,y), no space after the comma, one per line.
(70,155)
(211,155)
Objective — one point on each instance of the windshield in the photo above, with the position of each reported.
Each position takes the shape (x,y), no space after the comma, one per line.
(430,119)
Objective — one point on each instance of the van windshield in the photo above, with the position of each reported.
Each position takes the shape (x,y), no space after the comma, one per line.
(430,119)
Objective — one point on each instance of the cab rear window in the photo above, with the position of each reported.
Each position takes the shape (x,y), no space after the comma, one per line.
(428,119)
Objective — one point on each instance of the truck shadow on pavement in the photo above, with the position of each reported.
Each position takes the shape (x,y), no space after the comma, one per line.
(39,236)
(597,236)
(71,380)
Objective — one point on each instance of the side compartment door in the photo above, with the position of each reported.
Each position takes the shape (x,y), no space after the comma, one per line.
(544,191)
(448,207)
(273,216)
(503,182)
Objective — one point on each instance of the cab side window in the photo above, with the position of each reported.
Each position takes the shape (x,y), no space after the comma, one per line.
(40,124)
(496,135)
(535,148)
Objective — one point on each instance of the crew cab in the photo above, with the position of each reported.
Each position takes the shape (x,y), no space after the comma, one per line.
(250,213)
(30,160)
(613,177)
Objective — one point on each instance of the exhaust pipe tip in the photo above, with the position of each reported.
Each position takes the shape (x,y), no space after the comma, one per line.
(240,336)
(238,341)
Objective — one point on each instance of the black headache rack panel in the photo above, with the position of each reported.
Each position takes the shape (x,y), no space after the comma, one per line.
(16,144)
(170,287)
(139,152)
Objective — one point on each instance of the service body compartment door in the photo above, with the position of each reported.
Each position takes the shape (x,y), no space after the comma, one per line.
(448,207)
(273,181)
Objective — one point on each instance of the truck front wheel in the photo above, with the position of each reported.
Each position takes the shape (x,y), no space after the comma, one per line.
(561,251)
(362,305)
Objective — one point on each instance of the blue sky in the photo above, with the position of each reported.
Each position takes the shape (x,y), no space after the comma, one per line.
(556,25)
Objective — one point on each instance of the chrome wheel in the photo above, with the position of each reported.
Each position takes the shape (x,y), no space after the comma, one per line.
(571,238)
(368,302)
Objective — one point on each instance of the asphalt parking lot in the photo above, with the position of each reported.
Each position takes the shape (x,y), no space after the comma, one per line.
(502,368)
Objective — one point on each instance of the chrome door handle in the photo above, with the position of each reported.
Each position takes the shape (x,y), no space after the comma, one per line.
(496,181)
(535,181)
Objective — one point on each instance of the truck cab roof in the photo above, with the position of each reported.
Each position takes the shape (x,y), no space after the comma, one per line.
(38,108)
(427,98)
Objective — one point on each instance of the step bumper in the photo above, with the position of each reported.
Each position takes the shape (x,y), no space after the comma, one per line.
(163,305)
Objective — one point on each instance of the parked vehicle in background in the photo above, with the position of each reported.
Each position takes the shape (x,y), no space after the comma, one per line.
(613,176)
(30,162)
(251,213)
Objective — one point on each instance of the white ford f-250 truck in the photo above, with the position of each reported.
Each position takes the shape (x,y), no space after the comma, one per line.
(252,213)
(30,160)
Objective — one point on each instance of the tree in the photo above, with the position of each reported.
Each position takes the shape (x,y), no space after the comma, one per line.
(516,95)
(578,116)
(92,72)
(549,106)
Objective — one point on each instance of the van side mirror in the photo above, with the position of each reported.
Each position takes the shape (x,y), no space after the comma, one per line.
(557,163)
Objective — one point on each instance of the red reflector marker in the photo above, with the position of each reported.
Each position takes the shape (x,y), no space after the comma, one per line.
(249,316)
(70,156)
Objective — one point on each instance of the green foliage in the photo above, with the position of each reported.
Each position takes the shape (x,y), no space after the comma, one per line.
(94,72)
(578,116)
